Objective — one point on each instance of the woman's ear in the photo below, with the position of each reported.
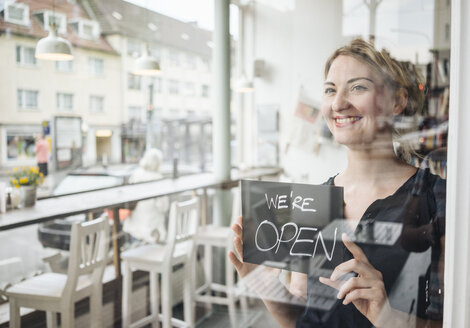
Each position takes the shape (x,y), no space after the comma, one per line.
(401,100)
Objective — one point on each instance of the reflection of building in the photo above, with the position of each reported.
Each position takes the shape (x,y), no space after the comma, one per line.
(184,53)
(97,87)
(35,91)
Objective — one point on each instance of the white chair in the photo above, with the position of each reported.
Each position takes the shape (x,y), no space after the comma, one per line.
(155,259)
(210,236)
(57,293)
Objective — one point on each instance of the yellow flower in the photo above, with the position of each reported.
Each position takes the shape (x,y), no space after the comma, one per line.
(15,182)
(24,180)
(15,169)
(41,175)
(17,186)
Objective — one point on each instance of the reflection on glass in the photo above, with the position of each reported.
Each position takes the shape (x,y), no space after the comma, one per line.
(387,268)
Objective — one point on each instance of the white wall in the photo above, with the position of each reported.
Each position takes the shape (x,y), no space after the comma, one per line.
(294,45)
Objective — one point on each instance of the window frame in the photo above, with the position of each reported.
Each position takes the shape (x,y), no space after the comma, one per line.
(61,101)
(25,21)
(92,68)
(96,110)
(22,105)
(134,82)
(61,28)
(457,260)
(21,48)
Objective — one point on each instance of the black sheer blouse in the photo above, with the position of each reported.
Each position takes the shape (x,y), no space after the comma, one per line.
(419,205)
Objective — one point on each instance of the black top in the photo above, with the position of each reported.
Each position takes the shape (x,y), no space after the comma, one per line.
(419,204)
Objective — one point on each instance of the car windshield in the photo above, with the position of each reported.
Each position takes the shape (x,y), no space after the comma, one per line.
(79,183)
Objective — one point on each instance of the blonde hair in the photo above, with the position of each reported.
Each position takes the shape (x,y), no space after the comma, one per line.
(397,75)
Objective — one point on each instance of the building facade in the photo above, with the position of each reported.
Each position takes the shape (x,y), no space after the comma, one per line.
(93,108)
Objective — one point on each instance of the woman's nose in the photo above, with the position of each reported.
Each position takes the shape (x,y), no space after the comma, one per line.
(340,102)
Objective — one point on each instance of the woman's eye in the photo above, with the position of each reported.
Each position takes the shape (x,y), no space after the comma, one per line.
(329,90)
(358,88)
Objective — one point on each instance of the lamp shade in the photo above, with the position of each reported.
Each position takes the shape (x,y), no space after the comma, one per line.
(244,85)
(146,65)
(53,47)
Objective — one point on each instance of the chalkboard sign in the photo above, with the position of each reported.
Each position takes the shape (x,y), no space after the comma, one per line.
(283,222)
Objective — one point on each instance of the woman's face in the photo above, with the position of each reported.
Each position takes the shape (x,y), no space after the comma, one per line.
(356,102)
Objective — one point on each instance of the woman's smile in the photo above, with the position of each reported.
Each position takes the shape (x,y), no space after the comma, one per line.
(342,121)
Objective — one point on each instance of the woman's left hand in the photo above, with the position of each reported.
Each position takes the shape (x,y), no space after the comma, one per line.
(366,291)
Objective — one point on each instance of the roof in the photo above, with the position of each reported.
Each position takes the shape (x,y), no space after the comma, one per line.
(73,11)
(134,22)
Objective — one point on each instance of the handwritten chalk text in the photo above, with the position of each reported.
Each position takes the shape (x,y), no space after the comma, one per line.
(268,226)
(298,202)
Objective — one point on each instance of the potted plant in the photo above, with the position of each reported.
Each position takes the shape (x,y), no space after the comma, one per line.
(27,179)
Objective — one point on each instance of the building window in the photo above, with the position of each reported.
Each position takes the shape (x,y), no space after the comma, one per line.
(96,66)
(190,61)
(46,18)
(134,114)
(174,58)
(134,48)
(133,82)
(28,99)
(189,89)
(65,101)
(89,30)
(96,104)
(17,13)
(173,87)
(205,91)
(25,56)
(20,146)
(64,65)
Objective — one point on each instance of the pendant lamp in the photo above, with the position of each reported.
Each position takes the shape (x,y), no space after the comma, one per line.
(146,65)
(53,47)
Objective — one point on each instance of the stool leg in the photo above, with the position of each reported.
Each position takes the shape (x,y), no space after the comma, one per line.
(244,306)
(208,274)
(230,286)
(51,319)
(15,319)
(126,294)
(96,307)
(188,291)
(67,317)
(154,295)
(166,298)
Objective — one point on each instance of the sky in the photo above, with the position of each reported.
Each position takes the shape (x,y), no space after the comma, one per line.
(200,11)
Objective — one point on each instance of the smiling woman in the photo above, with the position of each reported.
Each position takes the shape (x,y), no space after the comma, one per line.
(365,92)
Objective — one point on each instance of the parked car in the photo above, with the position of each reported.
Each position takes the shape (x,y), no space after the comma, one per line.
(93,178)
(56,233)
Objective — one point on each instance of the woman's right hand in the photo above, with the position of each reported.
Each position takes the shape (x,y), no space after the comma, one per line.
(242,268)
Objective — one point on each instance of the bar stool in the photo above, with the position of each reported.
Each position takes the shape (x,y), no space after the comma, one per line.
(210,236)
(160,259)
